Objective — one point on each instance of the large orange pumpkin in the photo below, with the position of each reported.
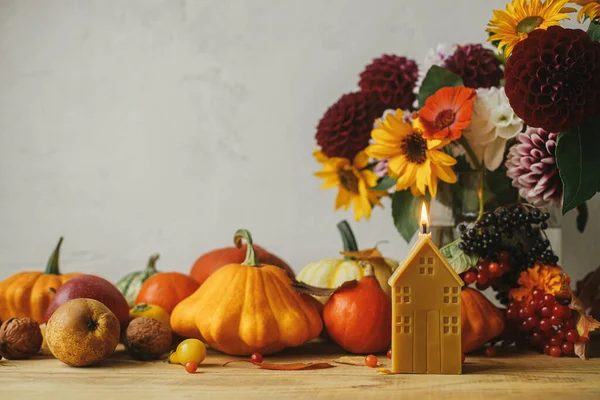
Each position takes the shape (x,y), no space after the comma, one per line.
(248,307)
(28,294)
(481,320)
(208,263)
(166,289)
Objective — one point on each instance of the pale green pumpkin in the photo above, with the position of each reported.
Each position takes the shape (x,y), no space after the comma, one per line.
(330,273)
(131,284)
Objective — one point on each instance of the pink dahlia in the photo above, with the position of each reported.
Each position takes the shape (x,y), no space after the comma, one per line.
(532,167)
(392,79)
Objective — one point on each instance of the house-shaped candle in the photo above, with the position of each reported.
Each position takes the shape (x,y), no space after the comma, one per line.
(426,311)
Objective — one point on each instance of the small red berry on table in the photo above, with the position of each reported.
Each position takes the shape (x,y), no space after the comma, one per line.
(490,351)
(191,366)
(389,353)
(371,361)
(256,358)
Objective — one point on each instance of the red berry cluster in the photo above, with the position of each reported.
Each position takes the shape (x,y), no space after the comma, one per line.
(548,325)
(488,273)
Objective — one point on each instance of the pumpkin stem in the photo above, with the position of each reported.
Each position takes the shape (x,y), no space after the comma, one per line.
(251,257)
(369,272)
(151,267)
(52,266)
(348,239)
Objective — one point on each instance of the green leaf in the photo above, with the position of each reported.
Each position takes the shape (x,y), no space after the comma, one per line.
(582,217)
(405,212)
(385,183)
(458,259)
(578,163)
(437,78)
(594,31)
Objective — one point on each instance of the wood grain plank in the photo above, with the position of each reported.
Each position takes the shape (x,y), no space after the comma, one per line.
(510,375)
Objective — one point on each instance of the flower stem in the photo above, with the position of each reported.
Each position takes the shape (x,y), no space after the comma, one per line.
(465,143)
(480,192)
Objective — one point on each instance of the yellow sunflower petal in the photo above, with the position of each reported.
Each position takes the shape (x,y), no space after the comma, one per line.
(444,173)
(369,177)
(398,164)
(343,199)
(382,152)
(423,174)
(361,160)
(440,157)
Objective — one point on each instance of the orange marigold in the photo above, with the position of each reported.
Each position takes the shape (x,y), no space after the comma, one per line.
(544,277)
(447,113)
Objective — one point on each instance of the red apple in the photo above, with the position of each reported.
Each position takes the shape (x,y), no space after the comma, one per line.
(92,287)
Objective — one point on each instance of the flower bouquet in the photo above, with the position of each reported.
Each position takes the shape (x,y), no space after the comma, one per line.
(519,118)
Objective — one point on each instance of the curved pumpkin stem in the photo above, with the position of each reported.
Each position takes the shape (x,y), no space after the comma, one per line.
(251,257)
(52,266)
(348,239)
(151,267)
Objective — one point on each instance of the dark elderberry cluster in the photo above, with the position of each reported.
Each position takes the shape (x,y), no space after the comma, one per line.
(518,230)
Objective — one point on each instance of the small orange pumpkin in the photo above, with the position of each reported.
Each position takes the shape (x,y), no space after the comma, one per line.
(28,294)
(358,315)
(245,308)
(166,290)
(481,320)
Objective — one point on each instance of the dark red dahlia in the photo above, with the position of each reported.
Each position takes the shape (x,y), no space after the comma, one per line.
(393,79)
(477,66)
(553,78)
(345,129)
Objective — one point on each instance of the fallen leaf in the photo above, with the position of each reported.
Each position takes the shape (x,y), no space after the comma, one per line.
(385,371)
(585,325)
(357,361)
(286,367)
(305,288)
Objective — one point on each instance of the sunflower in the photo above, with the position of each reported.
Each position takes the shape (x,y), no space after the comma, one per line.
(589,9)
(446,113)
(523,16)
(354,183)
(416,162)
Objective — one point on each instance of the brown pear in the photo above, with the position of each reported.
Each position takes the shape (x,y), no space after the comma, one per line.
(82,332)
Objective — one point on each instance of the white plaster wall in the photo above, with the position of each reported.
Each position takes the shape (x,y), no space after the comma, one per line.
(139,126)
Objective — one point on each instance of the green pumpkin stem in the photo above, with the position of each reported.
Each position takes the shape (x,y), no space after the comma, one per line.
(151,267)
(348,239)
(52,266)
(251,257)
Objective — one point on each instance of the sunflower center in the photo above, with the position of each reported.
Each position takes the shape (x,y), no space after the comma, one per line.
(528,24)
(348,180)
(444,119)
(414,147)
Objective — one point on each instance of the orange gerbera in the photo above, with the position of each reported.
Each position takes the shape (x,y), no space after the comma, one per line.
(446,113)
(544,277)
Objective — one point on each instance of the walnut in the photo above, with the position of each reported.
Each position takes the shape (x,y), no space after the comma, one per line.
(147,339)
(20,338)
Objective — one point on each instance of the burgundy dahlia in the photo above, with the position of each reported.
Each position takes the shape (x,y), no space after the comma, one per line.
(553,78)
(477,66)
(345,129)
(393,79)
(531,165)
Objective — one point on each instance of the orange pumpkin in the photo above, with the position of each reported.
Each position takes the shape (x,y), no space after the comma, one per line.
(481,320)
(208,263)
(248,307)
(28,294)
(166,289)
(358,315)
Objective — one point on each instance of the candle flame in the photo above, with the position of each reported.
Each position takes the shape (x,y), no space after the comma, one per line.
(424,218)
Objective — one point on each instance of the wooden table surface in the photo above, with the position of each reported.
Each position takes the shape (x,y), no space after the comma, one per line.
(509,375)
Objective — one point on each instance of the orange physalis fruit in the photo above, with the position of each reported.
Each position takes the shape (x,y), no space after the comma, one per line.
(447,113)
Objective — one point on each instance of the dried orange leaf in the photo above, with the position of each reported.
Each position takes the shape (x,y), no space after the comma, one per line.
(286,367)
(384,371)
(358,361)
(367,254)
